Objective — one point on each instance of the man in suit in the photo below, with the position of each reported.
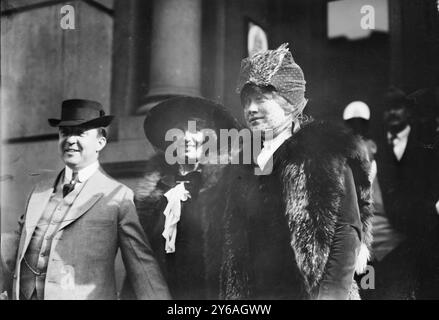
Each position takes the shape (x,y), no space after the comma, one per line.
(426,112)
(407,169)
(407,172)
(75,222)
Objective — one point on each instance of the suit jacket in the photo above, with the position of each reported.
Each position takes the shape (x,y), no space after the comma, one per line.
(81,262)
(408,186)
(408,192)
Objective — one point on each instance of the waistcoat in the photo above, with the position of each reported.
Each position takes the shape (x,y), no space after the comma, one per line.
(34,264)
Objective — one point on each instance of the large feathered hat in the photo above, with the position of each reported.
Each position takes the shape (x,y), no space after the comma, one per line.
(275,68)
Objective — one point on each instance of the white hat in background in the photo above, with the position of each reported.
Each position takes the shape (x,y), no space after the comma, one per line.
(356,109)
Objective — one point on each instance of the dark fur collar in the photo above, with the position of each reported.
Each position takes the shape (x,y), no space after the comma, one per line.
(157,168)
(311,164)
(314,161)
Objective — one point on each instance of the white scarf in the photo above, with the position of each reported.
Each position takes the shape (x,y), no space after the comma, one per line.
(172,213)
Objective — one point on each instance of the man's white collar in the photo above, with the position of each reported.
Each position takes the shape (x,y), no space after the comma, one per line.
(83,174)
(402,134)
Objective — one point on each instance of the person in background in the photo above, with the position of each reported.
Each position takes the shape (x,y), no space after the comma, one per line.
(406,171)
(426,111)
(426,106)
(356,116)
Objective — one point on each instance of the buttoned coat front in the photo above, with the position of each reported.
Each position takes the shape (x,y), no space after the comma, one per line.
(100,220)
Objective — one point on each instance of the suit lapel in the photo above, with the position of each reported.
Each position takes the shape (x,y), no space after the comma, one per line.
(411,145)
(35,208)
(87,197)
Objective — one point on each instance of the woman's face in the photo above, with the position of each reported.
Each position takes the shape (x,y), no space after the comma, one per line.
(196,141)
(263,110)
(193,142)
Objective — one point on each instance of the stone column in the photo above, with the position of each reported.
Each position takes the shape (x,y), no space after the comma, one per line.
(175,51)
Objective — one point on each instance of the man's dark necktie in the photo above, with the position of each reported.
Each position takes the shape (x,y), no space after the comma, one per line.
(392,138)
(68,187)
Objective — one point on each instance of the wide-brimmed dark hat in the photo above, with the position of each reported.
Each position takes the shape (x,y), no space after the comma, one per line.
(176,112)
(81,112)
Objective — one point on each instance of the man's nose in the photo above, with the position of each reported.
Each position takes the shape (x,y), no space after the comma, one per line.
(71,139)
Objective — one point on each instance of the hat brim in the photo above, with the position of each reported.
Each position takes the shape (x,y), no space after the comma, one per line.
(176,112)
(94,123)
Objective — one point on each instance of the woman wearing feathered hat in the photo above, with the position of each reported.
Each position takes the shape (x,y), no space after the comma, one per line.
(180,200)
(295,232)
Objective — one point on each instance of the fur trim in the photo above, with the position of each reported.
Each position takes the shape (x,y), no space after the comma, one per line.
(314,160)
(311,165)
(363,258)
(208,207)
(156,168)
(149,193)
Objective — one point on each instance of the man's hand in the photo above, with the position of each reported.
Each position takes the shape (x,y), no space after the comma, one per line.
(437,207)
(4,296)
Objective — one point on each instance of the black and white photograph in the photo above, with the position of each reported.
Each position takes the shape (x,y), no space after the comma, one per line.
(240,152)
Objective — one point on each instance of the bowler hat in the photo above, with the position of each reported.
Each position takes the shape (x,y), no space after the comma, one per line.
(81,112)
(175,113)
(396,98)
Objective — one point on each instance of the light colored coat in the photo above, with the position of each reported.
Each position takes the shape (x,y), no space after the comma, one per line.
(102,219)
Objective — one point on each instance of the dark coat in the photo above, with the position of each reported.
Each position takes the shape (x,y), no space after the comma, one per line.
(279,228)
(192,272)
(409,187)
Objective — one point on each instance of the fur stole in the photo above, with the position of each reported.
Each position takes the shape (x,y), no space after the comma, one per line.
(311,165)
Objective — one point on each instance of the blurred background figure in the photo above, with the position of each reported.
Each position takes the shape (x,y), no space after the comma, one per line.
(426,108)
(426,103)
(406,170)
(356,116)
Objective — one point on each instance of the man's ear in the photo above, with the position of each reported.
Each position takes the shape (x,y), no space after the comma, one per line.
(102,142)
